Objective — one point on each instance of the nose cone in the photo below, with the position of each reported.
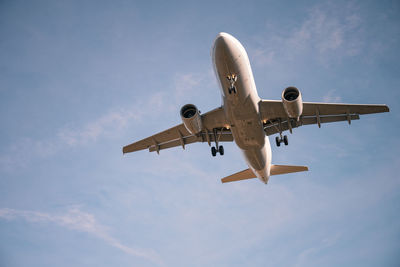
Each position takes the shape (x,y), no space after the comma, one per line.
(222,41)
(223,35)
(224,46)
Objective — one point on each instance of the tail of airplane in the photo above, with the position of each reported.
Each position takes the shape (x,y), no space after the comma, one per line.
(275,170)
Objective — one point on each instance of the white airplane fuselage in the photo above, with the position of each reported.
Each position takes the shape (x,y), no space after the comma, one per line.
(242,107)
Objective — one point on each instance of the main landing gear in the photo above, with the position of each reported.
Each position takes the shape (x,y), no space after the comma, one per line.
(214,151)
(217,149)
(279,140)
(232,79)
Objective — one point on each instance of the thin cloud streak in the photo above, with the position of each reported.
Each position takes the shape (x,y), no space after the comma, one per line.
(304,257)
(330,97)
(110,124)
(80,221)
(20,153)
(321,35)
(106,125)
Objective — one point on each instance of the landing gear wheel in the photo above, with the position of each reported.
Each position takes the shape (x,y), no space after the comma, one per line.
(213,151)
(285,140)
(221,150)
(278,142)
(232,90)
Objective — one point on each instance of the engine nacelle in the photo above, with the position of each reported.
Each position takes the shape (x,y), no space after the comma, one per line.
(292,102)
(191,118)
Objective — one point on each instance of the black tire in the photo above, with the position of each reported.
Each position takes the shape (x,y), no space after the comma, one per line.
(221,150)
(285,140)
(213,151)
(278,142)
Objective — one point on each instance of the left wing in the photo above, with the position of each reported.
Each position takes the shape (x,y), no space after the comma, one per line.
(276,120)
(213,121)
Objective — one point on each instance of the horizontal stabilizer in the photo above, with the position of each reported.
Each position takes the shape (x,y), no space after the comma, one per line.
(275,170)
(283,169)
(243,175)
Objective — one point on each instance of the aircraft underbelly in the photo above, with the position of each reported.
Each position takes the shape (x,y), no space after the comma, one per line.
(241,107)
(248,133)
(256,157)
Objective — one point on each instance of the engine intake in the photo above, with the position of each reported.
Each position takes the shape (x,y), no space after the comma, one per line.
(191,118)
(292,102)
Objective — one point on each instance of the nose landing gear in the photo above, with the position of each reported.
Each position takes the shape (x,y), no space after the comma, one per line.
(232,90)
(232,79)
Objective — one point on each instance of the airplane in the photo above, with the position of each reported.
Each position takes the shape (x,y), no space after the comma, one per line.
(247,119)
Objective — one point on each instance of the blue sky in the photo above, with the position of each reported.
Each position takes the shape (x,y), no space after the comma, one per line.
(80,79)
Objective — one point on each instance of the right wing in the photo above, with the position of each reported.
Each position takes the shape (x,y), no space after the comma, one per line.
(276,119)
(274,109)
(180,136)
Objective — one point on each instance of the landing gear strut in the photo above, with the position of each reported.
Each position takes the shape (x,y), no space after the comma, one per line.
(232,79)
(217,149)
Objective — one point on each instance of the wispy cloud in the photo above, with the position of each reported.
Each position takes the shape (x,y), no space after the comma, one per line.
(115,121)
(185,84)
(321,36)
(106,125)
(19,153)
(110,124)
(331,97)
(322,32)
(303,257)
(77,220)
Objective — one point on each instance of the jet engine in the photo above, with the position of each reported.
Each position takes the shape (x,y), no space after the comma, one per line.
(292,102)
(191,118)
